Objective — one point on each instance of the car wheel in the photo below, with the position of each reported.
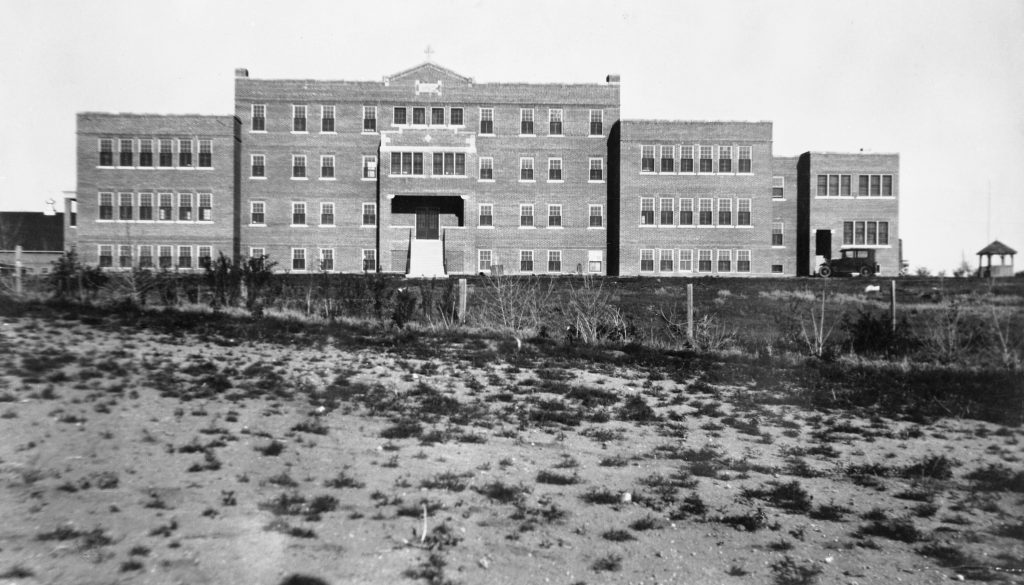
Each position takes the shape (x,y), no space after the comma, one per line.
(825,271)
(866,271)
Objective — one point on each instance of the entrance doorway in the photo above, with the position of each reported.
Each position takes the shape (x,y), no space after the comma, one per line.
(427,223)
(823,243)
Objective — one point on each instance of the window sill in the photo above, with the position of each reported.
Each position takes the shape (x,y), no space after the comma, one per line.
(328,179)
(527,135)
(300,178)
(433,176)
(774,199)
(527,181)
(263,225)
(369,226)
(554,181)
(328,132)
(556,227)
(258,178)
(257,131)
(648,225)
(482,134)
(595,227)
(595,136)
(556,135)
(204,168)
(744,227)
(778,247)
(327,225)
(527,227)
(485,227)
(601,182)
(170,168)
(368,132)
(485,180)
(368,179)
(299,225)
(300,131)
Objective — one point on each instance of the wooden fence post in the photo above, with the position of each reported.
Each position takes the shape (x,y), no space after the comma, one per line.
(462,300)
(17,270)
(892,305)
(689,313)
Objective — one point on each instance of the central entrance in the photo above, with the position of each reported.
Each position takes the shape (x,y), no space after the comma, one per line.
(427,224)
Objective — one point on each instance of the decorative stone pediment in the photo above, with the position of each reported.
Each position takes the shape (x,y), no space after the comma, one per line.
(428,78)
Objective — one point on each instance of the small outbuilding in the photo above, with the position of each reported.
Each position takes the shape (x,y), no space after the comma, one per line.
(996,248)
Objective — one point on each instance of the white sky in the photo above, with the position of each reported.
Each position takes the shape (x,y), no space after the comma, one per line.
(941,82)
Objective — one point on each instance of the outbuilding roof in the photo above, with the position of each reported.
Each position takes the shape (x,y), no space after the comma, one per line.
(997,248)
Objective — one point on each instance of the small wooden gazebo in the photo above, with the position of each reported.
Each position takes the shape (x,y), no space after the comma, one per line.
(1000,249)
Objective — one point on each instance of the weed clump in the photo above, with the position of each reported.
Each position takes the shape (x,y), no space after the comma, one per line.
(901,529)
(555,478)
(789,496)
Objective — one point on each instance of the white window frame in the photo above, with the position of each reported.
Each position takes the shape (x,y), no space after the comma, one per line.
(480,214)
(480,254)
(595,261)
(208,145)
(556,161)
(322,257)
(647,205)
(405,110)
(253,117)
(152,207)
(725,205)
(722,149)
(522,215)
(489,113)
(524,166)
(148,248)
(554,256)
(253,250)
(523,254)
(590,122)
(182,150)
(160,199)
(369,168)
(523,114)
(683,150)
(647,252)
(779,182)
(182,197)
(671,209)
(252,166)
(191,264)
(160,249)
(709,254)
(334,171)
(749,260)
(200,255)
(600,214)
(744,204)
(305,214)
(671,158)
(451,118)
(687,257)
(727,255)
(296,108)
(113,153)
(299,256)
(710,150)
(369,254)
(590,167)
(687,204)
(552,113)
(662,259)
(199,206)
(372,110)
(160,152)
(552,207)
(100,249)
(778,227)
(263,210)
(324,206)
(373,213)
(480,168)
(305,167)
(323,116)
(644,148)
(709,203)
(121,198)
(740,151)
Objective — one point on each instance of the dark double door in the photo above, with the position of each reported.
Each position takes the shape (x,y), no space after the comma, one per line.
(427,224)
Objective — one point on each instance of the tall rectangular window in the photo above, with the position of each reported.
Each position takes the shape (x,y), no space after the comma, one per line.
(205,207)
(647,158)
(146,152)
(668,159)
(486,168)
(184,256)
(526,260)
(146,206)
(595,261)
(456,117)
(327,166)
(777,233)
(725,159)
(555,122)
(686,260)
(298,118)
(847,233)
(686,211)
(706,163)
(872,237)
(184,153)
(419,116)
(704,212)
(526,215)
(862,185)
(778,187)
(327,259)
(554,216)
(665,261)
(326,213)
(127,158)
(166,153)
(886,185)
(483,262)
(833,185)
(526,169)
(184,207)
(298,166)
(876,186)
(145,256)
(259,117)
(526,121)
(411,163)
(487,121)
(370,260)
(858,233)
(745,153)
(647,211)
(725,261)
(597,169)
(596,216)
(554,169)
(259,168)
(298,258)
(400,116)
(369,118)
(369,214)
(106,152)
(205,253)
(883,233)
(742,260)
(125,206)
(106,256)
(437,116)
(205,154)
(165,256)
(165,211)
(725,212)
(124,256)
(667,211)
(554,260)
(823,186)
(486,215)
(327,118)
(298,213)
(369,167)
(743,215)
(686,159)
(646,260)
(257,213)
(596,122)
(844,185)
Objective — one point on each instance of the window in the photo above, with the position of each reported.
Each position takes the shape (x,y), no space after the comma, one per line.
(595,261)
(369,167)
(146,206)
(866,233)
(326,213)
(419,116)
(685,159)
(880,186)
(298,258)
(145,256)
(166,208)
(166,256)
(483,260)
(778,187)
(742,260)
(646,260)
(778,269)
(486,215)
(259,168)
(596,122)
(872,239)
(370,260)
(725,212)
(667,211)
(298,118)
(743,212)
(875,186)
(400,116)
(437,116)
(724,261)
(124,204)
(647,159)
(124,256)
(407,163)
(298,213)
(526,215)
(597,169)
(106,256)
(526,260)
(725,159)
(327,118)
(205,207)
(777,233)
(833,186)
(166,153)
(665,261)
(883,233)
(554,216)
(184,207)
(554,260)
(705,159)
(526,169)
(184,153)
(646,211)
(106,152)
(205,256)
(526,121)
(298,166)
(596,216)
(145,152)
(127,154)
(205,154)
(886,185)
(704,211)
(744,159)
(327,166)
(447,163)
(554,169)
(369,118)
(257,213)
(486,168)
(326,259)
(456,117)
(257,254)
(555,122)
(259,118)
(686,260)
(369,214)
(184,256)
(686,212)
(858,233)
(487,127)
(73,214)
(844,185)
(668,162)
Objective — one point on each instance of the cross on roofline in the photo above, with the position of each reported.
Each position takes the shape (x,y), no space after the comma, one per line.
(429,52)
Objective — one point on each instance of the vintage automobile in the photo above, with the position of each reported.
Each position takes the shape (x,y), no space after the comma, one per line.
(850,261)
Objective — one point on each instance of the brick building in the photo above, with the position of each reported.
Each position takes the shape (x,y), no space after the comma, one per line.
(428,173)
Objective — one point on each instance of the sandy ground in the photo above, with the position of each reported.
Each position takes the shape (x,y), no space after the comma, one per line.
(137,457)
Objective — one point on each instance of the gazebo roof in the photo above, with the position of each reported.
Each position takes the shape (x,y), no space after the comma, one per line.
(997,248)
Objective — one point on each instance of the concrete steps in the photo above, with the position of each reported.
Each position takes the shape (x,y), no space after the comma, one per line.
(426,259)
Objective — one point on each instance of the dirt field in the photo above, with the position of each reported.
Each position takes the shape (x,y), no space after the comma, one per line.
(142,455)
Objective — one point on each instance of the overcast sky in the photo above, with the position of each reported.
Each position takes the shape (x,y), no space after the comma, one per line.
(940,82)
